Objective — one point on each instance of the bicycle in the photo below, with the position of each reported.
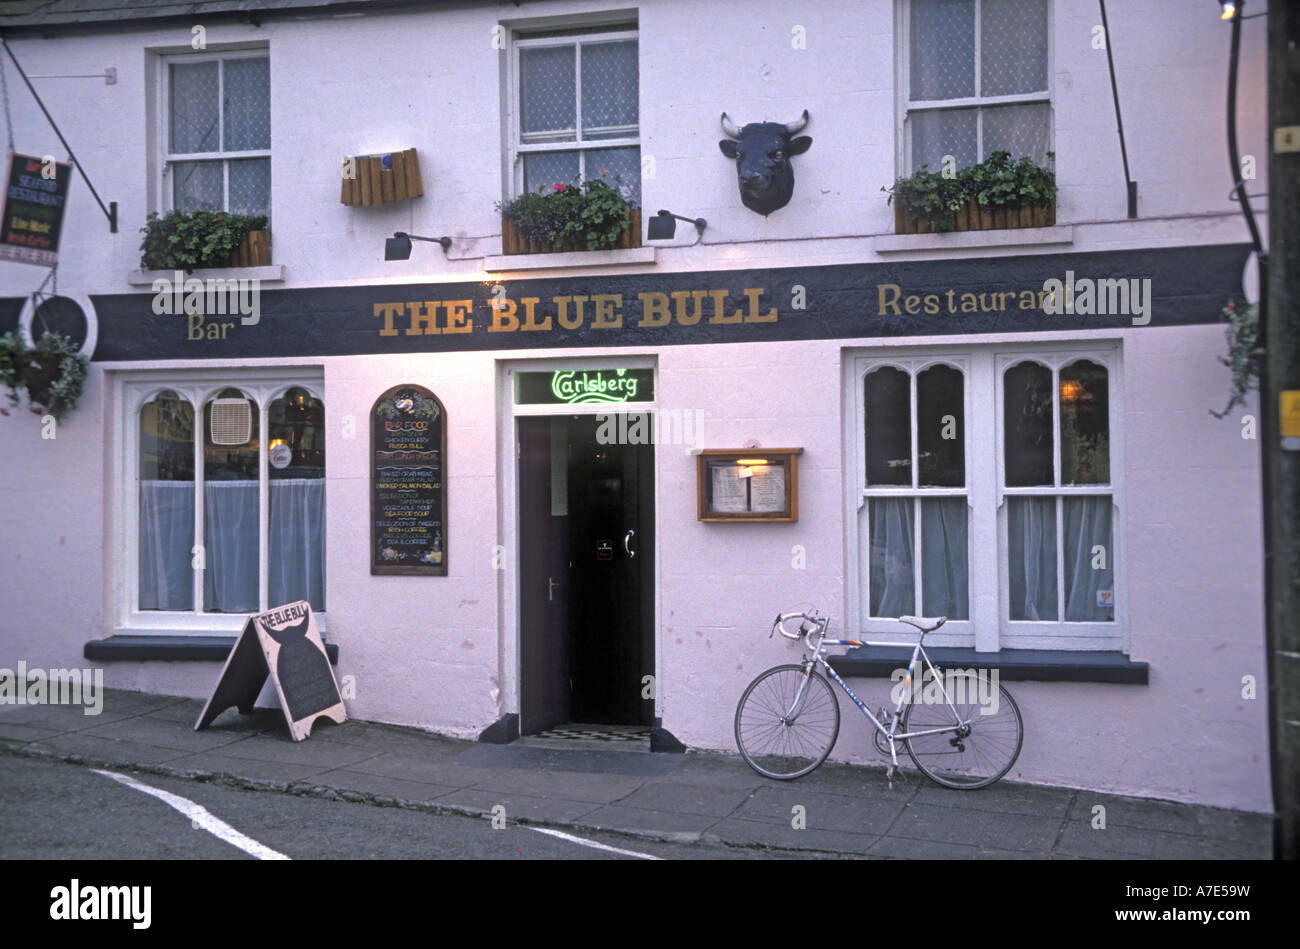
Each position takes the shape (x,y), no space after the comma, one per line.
(788,718)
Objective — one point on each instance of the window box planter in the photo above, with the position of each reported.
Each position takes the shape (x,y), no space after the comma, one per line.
(381,179)
(513,243)
(204,240)
(253,251)
(996,194)
(974,217)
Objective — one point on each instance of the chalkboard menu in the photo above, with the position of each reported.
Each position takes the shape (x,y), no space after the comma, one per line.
(33,209)
(408,477)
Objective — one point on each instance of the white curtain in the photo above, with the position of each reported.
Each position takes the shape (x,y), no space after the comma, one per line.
(166,539)
(944,571)
(297,542)
(230,536)
(1031,536)
(1031,542)
(1088,571)
(297,527)
(893,586)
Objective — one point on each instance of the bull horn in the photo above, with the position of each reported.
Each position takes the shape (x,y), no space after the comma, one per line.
(798,124)
(729,127)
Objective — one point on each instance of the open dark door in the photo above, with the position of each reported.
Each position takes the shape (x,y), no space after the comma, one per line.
(611,498)
(543,574)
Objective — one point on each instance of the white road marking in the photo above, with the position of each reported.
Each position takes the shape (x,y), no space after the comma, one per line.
(591,843)
(200,817)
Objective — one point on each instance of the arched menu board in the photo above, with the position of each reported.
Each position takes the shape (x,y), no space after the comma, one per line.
(408,478)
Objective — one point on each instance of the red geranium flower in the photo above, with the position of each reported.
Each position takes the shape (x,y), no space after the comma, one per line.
(559,186)
(602,171)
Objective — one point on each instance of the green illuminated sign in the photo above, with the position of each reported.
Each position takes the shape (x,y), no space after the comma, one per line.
(584,387)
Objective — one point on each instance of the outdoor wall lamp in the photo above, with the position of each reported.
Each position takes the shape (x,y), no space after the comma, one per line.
(664,225)
(398,247)
(1229,9)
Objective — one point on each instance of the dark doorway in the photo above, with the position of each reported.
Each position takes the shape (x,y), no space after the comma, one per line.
(586,509)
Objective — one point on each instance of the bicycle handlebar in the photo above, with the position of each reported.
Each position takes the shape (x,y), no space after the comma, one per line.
(778,625)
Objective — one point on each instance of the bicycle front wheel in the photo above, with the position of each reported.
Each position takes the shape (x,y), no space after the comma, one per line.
(977,731)
(779,738)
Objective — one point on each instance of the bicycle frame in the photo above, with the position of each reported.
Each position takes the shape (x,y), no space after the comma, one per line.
(891,734)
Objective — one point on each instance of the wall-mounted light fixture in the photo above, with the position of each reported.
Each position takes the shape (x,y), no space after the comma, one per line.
(1229,9)
(664,225)
(398,247)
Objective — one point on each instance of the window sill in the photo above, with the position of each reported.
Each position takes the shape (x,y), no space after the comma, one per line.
(962,240)
(586,258)
(171,649)
(272,274)
(1013,665)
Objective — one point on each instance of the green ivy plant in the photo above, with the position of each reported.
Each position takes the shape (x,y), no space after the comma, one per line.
(190,240)
(1243,353)
(53,372)
(994,183)
(591,212)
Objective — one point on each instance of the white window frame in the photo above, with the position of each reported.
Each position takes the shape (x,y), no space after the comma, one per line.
(1060,633)
(133,391)
(955,631)
(169,158)
(516,147)
(906,105)
(989,628)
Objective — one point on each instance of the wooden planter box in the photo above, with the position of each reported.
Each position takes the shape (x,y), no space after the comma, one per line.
(381,179)
(975,218)
(513,243)
(253,251)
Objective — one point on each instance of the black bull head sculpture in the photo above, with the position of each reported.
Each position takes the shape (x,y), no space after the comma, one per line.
(763,151)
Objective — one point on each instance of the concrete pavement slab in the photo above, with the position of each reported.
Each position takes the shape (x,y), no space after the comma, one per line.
(518,806)
(319,755)
(381,786)
(646,821)
(705,800)
(1117,842)
(750,833)
(592,787)
(985,829)
(274,772)
(1026,799)
(106,750)
(775,805)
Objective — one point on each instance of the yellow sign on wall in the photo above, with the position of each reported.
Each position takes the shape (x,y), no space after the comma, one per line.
(1289,413)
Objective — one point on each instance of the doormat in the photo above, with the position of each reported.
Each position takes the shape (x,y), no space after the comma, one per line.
(597,733)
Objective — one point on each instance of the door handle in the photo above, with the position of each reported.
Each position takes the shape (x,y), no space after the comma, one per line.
(627,539)
(550,588)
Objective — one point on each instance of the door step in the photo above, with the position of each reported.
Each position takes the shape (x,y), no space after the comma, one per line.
(609,737)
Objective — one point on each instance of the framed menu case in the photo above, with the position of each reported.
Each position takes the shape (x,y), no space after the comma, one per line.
(748,484)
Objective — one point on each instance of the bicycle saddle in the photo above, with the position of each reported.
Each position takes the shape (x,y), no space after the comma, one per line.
(924,623)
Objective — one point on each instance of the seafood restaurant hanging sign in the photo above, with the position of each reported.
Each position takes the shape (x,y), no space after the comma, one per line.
(408,497)
(35,191)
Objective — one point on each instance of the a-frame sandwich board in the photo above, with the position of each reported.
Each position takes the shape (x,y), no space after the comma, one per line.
(284,644)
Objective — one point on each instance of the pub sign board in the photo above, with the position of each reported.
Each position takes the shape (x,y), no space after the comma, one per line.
(35,192)
(408,479)
(285,644)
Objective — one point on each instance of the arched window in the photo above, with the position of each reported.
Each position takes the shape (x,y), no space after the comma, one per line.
(296,466)
(915,490)
(230,498)
(166,477)
(1060,545)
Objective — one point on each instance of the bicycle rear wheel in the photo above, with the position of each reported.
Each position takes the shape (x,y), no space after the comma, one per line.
(969,757)
(776,743)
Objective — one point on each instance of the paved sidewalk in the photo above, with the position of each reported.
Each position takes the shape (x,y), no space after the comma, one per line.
(849,810)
